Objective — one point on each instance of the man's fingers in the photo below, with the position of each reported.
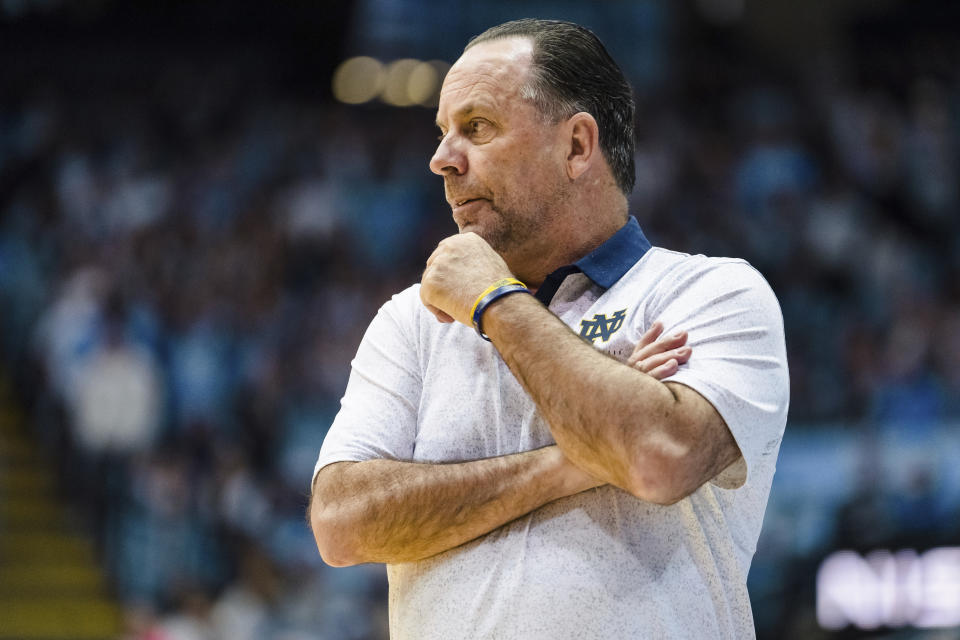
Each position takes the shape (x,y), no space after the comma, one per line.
(665,370)
(651,334)
(442,316)
(682,354)
(642,351)
(650,363)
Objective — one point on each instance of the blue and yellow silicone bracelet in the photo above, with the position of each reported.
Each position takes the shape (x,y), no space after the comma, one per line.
(494,292)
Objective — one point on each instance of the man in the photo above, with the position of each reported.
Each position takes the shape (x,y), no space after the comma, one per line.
(540,485)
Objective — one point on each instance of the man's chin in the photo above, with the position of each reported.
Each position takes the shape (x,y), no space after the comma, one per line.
(497,242)
(474,228)
(471,227)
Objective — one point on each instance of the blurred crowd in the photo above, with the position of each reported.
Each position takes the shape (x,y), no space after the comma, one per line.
(187,265)
(182,292)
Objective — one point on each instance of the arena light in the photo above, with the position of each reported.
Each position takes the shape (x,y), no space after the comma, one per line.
(358,80)
(402,83)
(423,86)
(395,90)
(892,589)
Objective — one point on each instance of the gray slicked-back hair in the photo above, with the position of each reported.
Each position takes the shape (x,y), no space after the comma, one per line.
(572,72)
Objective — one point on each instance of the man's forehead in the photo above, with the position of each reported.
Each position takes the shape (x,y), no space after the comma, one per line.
(502,53)
(490,68)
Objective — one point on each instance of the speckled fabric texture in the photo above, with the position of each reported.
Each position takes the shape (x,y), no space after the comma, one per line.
(600,564)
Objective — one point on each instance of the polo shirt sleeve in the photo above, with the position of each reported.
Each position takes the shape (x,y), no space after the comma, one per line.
(739,361)
(378,412)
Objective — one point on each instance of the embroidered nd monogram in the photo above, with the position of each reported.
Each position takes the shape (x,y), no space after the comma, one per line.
(601,326)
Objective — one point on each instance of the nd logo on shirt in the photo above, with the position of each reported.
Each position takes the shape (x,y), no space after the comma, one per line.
(601,326)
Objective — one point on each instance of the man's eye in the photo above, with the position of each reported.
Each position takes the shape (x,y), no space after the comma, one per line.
(479,127)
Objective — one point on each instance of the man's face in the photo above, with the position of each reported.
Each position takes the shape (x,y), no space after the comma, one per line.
(502,163)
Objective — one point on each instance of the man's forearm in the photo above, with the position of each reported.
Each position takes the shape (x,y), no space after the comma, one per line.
(606,417)
(390,511)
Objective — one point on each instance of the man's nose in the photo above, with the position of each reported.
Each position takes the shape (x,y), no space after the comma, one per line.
(448,158)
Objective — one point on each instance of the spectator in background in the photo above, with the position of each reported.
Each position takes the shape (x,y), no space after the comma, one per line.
(117,407)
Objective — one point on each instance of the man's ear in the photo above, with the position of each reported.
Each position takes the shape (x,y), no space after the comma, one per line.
(584,137)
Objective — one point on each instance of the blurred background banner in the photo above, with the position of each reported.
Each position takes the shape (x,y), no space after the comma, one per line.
(202,205)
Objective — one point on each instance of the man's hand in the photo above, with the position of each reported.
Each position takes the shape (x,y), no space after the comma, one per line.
(457,272)
(661,357)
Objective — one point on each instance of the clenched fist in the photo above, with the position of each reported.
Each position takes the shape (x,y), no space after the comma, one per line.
(457,272)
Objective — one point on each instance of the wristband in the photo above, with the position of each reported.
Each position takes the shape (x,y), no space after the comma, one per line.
(494,292)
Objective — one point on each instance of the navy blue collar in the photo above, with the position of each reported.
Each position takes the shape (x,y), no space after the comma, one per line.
(604,265)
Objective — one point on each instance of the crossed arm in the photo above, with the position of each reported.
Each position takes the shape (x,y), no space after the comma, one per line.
(658,441)
(391,511)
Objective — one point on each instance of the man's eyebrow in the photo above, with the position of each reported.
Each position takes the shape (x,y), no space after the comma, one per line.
(463,111)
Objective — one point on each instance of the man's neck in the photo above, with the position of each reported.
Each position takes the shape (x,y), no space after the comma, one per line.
(565,245)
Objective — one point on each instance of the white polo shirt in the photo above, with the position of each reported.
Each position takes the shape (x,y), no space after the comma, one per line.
(600,564)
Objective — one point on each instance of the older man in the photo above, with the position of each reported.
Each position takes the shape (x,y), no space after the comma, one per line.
(505,453)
